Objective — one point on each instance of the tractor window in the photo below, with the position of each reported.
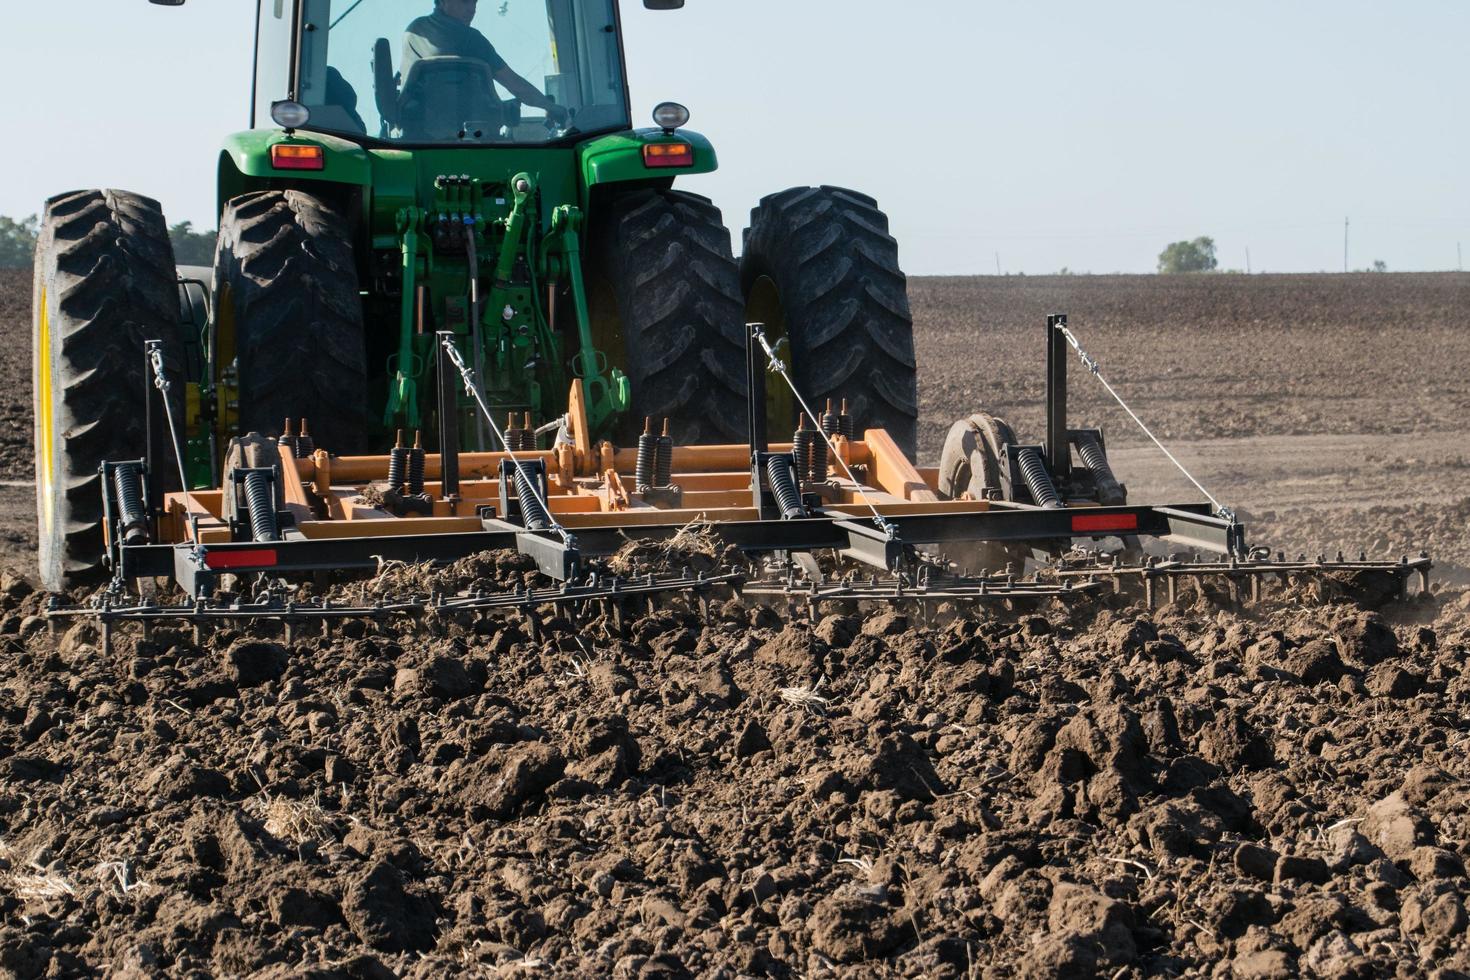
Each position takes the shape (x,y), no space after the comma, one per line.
(273,57)
(416,72)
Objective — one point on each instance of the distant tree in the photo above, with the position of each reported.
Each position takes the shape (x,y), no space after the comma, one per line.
(192,247)
(1195,256)
(1380,266)
(17,242)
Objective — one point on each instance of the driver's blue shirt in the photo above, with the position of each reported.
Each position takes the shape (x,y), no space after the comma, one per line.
(440,36)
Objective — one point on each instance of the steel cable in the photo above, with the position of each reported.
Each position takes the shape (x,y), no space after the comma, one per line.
(777,366)
(471,389)
(1091,364)
(155,358)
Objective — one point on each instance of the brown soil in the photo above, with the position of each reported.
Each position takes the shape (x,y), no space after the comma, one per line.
(1100,792)
(1202,357)
(17,429)
(1084,792)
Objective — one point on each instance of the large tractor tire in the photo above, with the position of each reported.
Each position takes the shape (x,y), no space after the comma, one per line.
(969,467)
(820,269)
(286,290)
(668,281)
(104,284)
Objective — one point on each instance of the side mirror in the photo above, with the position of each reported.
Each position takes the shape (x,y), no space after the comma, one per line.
(650,4)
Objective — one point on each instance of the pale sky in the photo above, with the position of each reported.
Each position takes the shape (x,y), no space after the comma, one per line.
(1073,133)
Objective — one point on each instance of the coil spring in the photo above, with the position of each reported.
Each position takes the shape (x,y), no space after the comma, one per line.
(528,436)
(416,462)
(663,459)
(305,444)
(845,425)
(398,468)
(261,501)
(643,467)
(1109,490)
(828,422)
(512,434)
(783,486)
(1038,480)
(128,479)
(803,442)
(533,512)
(818,472)
(288,436)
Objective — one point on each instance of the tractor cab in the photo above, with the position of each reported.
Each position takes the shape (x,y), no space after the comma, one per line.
(508,72)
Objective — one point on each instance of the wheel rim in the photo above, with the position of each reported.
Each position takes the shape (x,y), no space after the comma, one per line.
(45,418)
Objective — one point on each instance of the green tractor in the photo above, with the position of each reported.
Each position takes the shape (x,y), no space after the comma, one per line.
(401,177)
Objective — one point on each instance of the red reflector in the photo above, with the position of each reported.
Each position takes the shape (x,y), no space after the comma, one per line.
(244,558)
(298,156)
(1104,522)
(668,155)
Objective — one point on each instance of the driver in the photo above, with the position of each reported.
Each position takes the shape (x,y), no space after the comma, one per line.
(447,33)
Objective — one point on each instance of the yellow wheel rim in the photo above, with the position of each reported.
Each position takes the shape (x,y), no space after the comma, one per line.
(45,479)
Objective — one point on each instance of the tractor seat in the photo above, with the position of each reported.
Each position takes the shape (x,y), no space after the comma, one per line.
(443,97)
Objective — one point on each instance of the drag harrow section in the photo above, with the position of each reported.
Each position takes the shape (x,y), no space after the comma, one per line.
(926,593)
(836,488)
(1240,577)
(613,596)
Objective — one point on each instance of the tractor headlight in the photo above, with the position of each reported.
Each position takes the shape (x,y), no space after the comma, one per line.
(289,114)
(669,116)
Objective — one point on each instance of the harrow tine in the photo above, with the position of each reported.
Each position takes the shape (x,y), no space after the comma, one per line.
(1237,571)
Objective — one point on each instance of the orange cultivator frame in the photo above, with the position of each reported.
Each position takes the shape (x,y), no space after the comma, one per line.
(869,503)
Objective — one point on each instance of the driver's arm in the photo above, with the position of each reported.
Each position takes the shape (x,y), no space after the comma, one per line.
(526,92)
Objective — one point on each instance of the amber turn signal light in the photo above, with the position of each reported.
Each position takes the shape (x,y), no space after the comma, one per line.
(668,155)
(298,156)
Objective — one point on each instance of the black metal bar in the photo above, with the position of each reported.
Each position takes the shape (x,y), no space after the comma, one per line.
(1058,447)
(755,388)
(1203,530)
(1190,524)
(871,546)
(154,423)
(448,417)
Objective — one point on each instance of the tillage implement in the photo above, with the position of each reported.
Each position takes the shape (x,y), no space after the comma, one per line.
(441,321)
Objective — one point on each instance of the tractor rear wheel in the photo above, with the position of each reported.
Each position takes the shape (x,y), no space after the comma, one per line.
(820,268)
(104,284)
(286,298)
(969,465)
(666,279)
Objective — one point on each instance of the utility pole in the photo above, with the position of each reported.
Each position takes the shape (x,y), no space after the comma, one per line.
(1344,243)
(997,263)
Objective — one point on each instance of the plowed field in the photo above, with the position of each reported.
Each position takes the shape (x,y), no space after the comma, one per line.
(1089,791)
